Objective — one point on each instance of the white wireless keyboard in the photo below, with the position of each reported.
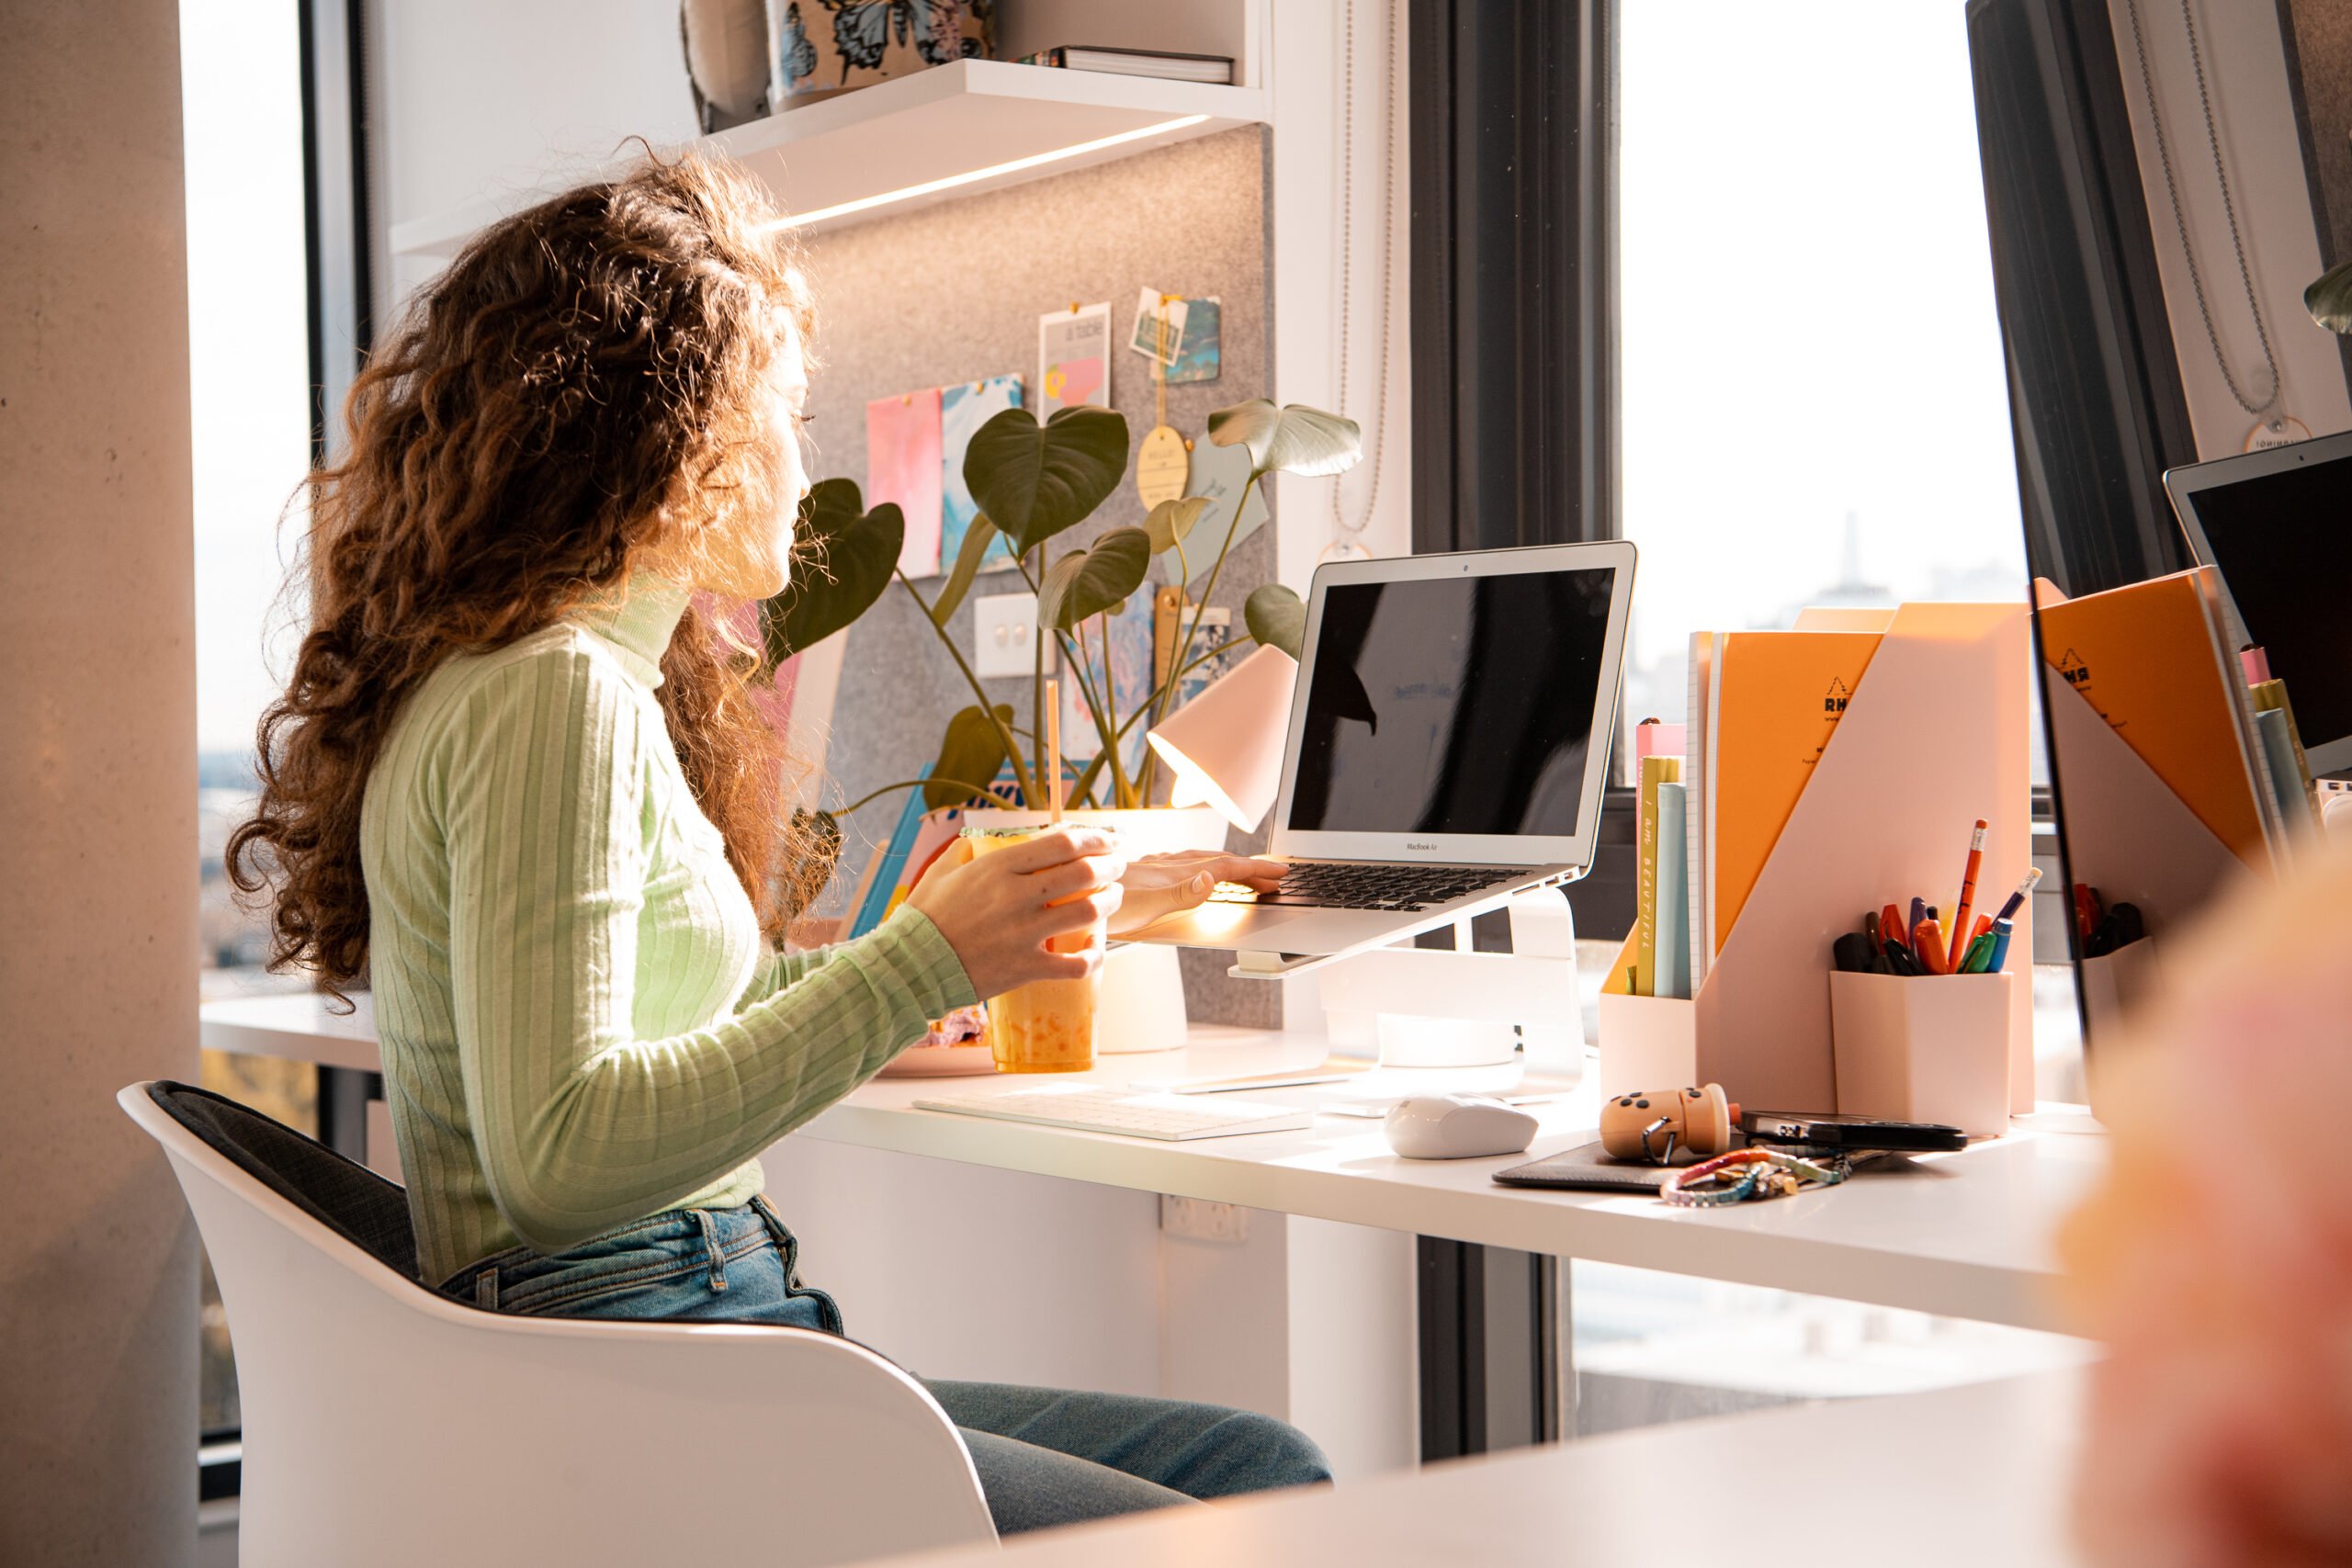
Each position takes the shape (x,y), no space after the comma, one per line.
(1127,1113)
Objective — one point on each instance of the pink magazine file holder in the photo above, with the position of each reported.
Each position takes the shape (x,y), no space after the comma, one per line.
(2116,806)
(1936,735)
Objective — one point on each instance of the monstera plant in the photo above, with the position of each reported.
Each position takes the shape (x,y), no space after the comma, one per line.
(1035,481)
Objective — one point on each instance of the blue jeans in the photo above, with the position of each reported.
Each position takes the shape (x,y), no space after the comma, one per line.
(1045,1457)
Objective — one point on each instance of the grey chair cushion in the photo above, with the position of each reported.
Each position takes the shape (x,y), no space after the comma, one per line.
(346,1197)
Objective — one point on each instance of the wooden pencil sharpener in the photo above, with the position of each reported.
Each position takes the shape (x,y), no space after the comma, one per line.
(1652,1125)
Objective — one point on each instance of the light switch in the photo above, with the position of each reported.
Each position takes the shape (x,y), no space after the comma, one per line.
(1004,633)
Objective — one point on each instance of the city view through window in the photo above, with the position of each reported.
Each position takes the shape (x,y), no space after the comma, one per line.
(1815,410)
(249,373)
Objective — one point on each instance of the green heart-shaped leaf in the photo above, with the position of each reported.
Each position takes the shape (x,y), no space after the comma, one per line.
(1089,582)
(843,560)
(969,753)
(978,537)
(2330,300)
(1171,521)
(1277,617)
(1033,480)
(1292,440)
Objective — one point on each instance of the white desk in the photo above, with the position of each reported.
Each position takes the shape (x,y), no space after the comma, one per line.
(300,1027)
(1963,1477)
(1966,1235)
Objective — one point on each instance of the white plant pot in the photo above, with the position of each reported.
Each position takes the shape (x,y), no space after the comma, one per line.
(1142,1005)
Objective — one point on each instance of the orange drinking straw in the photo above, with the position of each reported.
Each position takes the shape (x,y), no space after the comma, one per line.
(1959,937)
(1053,754)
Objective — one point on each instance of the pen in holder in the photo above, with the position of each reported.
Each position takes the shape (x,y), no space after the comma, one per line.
(1923,1048)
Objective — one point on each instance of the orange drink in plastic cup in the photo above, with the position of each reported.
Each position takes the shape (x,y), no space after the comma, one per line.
(1045,1026)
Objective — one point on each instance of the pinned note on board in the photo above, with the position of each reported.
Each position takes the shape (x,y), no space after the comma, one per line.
(963,408)
(902,463)
(1220,473)
(1073,360)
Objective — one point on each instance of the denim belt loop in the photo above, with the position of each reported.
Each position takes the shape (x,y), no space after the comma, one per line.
(710,1242)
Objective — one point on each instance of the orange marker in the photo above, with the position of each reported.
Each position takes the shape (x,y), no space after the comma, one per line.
(1983,924)
(1959,937)
(1931,947)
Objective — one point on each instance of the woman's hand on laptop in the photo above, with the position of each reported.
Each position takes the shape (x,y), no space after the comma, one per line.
(1161,886)
(997,911)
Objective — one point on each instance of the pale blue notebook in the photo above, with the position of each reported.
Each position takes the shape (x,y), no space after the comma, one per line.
(1673,944)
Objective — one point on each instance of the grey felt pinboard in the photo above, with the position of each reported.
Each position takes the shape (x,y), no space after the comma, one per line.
(952,293)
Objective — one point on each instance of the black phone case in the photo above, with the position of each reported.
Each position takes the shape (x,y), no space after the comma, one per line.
(1856,1132)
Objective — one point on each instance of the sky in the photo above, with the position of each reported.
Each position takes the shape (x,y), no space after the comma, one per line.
(1808,326)
(248,355)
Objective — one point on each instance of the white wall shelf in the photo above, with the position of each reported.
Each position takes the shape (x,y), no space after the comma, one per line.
(971,126)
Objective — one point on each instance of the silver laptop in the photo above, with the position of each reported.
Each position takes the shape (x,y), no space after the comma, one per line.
(1449,741)
(2274,522)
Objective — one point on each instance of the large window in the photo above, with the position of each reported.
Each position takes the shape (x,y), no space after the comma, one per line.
(249,370)
(1813,405)
(248,367)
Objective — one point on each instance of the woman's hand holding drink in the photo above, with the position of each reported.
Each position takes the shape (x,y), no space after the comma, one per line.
(1025,904)
(1034,903)
(1027,910)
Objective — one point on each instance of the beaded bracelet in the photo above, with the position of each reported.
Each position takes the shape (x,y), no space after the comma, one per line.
(1749,1173)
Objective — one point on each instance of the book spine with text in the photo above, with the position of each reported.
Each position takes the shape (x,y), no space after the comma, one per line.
(1656,770)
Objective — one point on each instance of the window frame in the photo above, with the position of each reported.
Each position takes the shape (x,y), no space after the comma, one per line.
(1512,154)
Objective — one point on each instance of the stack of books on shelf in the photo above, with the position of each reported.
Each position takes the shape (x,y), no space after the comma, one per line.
(1215,68)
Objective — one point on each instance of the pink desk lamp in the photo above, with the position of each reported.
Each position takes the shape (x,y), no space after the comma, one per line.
(1226,745)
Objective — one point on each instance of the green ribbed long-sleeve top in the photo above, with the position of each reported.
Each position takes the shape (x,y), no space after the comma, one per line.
(580,1019)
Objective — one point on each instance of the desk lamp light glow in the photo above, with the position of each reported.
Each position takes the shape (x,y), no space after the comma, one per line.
(1012,166)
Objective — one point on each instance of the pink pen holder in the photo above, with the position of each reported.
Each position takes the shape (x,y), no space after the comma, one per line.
(1923,1048)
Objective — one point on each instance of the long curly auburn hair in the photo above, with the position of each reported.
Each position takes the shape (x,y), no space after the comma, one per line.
(584,383)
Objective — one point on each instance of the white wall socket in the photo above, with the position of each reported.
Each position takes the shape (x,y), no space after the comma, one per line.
(1004,634)
(1201,1220)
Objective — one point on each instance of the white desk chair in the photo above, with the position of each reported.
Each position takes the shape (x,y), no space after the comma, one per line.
(385,1425)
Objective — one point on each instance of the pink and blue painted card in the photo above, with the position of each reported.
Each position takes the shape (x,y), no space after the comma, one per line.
(963,408)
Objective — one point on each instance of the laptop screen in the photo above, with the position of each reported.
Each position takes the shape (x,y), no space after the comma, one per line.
(1454,704)
(2286,555)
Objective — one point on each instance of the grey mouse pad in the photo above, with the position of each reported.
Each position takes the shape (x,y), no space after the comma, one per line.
(1589,1167)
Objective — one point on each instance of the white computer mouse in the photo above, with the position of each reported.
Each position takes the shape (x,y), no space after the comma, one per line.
(1457,1126)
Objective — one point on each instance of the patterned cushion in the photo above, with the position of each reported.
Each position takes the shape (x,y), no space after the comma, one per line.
(347,1198)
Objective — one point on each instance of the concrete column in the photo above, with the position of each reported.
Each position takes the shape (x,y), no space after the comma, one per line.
(98,776)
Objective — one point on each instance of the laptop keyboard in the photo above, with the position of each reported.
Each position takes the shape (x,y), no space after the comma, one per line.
(1336,885)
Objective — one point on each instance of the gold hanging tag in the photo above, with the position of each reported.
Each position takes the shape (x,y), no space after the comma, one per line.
(1168,607)
(1163,464)
(1163,467)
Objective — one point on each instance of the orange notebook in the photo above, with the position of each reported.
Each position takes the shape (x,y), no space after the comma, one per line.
(1774,702)
(2146,657)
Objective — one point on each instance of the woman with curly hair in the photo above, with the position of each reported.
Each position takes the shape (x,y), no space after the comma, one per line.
(517,785)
